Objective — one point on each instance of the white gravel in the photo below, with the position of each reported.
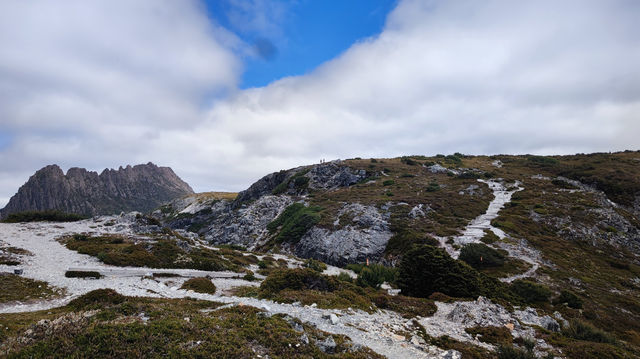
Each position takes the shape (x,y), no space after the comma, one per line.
(50,260)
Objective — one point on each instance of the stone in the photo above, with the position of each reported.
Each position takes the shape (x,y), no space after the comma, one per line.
(327,346)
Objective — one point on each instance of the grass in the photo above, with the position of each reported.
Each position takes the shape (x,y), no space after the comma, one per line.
(41,216)
(155,253)
(17,288)
(183,328)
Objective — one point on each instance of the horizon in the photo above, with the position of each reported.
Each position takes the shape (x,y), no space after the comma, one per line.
(225,92)
(65,170)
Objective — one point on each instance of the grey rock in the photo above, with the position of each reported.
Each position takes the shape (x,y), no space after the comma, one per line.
(365,238)
(530,316)
(327,346)
(141,188)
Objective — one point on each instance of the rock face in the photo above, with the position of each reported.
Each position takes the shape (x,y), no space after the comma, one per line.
(364,237)
(140,188)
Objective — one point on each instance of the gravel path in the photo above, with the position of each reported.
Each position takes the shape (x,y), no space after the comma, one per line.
(50,260)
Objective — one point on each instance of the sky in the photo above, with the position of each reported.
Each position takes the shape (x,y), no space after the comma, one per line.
(226,91)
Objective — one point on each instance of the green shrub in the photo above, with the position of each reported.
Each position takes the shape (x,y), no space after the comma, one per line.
(296,279)
(200,285)
(572,300)
(583,331)
(299,181)
(294,222)
(409,161)
(531,292)
(82,274)
(593,350)
(97,298)
(542,160)
(388,182)
(492,335)
(315,265)
(479,255)
(375,274)
(249,277)
(39,216)
(345,277)
(433,187)
(511,352)
(426,269)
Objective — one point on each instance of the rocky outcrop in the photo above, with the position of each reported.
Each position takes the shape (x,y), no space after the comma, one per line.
(360,233)
(325,176)
(137,188)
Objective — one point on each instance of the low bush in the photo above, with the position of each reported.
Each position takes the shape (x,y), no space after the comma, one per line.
(296,279)
(479,255)
(344,277)
(492,335)
(593,350)
(162,253)
(97,298)
(572,300)
(433,187)
(583,331)
(39,216)
(427,269)
(408,307)
(200,285)
(388,182)
(82,274)
(511,352)
(531,292)
(315,265)
(250,277)
(375,274)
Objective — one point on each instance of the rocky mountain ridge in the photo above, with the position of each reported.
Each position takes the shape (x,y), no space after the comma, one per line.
(140,188)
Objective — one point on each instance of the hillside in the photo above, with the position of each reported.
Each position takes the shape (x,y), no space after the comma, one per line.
(434,257)
(137,188)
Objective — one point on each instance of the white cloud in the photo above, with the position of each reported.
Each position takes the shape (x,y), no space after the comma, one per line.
(443,76)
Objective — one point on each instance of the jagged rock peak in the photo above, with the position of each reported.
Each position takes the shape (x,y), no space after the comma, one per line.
(140,187)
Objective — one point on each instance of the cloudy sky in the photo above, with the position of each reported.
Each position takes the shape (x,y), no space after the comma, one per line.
(227,91)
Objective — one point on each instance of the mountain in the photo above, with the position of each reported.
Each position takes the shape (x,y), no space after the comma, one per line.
(349,211)
(140,188)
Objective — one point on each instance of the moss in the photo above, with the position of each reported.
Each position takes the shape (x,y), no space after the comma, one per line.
(200,285)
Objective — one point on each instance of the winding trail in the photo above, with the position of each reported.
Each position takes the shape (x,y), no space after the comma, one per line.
(381,331)
(475,230)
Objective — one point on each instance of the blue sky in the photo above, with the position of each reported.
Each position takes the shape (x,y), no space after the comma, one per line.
(304,33)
